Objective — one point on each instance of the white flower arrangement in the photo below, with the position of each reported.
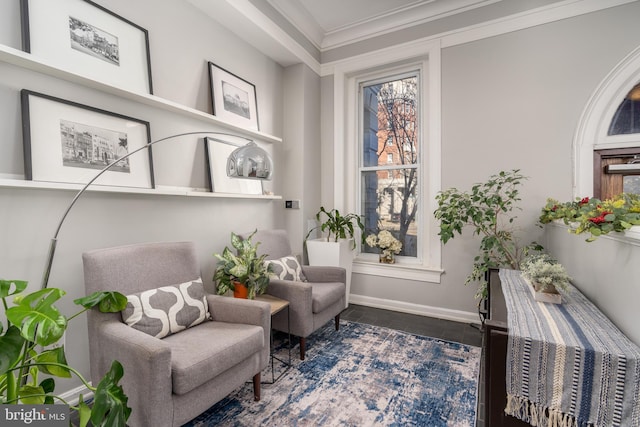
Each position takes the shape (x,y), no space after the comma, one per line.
(388,244)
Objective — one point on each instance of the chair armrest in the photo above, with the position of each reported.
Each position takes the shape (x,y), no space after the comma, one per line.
(317,273)
(249,312)
(238,310)
(147,365)
(300,305)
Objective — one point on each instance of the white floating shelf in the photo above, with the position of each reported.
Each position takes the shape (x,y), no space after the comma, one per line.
(25,60)
(37,185)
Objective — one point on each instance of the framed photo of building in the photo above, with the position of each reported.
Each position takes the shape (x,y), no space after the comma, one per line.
(67,142)
(83,37)
(233,99)
(217,152)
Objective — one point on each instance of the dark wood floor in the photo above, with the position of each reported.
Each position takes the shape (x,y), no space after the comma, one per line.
(464,333)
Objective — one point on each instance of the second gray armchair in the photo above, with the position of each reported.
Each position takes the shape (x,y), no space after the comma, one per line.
(312,303)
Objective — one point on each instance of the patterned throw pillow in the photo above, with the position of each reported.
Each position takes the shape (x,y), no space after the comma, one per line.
(167,310)
(287,268)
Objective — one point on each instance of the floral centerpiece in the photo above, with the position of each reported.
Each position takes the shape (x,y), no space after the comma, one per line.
(389,245)
(595,216)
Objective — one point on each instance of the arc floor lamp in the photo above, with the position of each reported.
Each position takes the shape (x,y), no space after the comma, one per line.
(246,162)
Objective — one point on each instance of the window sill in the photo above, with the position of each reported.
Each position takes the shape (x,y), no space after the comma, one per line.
(400,271)
(631,236)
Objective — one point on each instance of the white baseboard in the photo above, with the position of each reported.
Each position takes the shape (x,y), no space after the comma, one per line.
(423,310)
(72,396)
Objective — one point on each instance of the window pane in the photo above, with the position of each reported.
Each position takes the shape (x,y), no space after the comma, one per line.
(627,117)
(390,143)
(390,122)
(390,203)
(631,184)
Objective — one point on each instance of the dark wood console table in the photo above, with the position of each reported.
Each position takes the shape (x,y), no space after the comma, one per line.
(495,362)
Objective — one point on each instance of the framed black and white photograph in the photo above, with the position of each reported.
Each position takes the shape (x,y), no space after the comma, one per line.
(217,152)
(67,142)
(233,99)
(83,37)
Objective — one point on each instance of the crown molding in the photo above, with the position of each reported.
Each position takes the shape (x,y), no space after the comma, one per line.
(401,18)
(516,22)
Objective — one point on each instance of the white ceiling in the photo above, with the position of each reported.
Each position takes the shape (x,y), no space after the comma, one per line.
(333,23)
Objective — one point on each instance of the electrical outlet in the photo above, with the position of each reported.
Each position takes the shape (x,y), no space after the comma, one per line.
(292,204)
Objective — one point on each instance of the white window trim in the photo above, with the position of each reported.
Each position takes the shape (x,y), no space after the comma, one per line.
(345,140)
(591,133)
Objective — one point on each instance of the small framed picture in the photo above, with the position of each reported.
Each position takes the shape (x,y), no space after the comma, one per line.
(85,38)
(68,142)
(217,152)
(233,99)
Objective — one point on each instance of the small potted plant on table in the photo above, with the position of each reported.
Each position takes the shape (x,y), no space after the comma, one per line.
(546,276)
(244,272)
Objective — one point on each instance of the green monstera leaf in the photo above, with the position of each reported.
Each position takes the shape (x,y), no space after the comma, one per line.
(10,347)
(36,316)
(110,403)
(107,302)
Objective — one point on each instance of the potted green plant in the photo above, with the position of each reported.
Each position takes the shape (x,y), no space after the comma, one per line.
(336,247)
(546,276)
(594,216)
(489,210)
(337,226)
(31,329)
(244,272)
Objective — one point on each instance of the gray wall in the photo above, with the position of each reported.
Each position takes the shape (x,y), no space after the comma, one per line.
(512,101)
(182,41)
(606,271)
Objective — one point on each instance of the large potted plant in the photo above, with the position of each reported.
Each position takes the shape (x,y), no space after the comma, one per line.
(244,272)
(488,209)
(335,247)
(29,347)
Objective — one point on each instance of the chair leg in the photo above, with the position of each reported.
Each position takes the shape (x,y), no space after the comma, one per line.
(338,322)
(256,387)
(303,344)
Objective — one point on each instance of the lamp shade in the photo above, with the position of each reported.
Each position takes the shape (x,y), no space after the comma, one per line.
(249,162)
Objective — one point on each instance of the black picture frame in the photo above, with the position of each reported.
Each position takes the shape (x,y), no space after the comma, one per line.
(233,99)
(88,39)
(69,142)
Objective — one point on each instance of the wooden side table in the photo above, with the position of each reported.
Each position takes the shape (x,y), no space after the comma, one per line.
(277,305)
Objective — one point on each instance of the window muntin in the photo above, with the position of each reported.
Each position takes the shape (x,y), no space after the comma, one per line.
(626,120)
(390,173)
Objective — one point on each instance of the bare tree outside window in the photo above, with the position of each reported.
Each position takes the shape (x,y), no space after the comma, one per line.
(390,160)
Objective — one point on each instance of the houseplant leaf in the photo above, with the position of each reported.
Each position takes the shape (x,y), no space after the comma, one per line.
(110,403)
(108,302)
(37,317)
(55,355)
(5,287)
(10,346)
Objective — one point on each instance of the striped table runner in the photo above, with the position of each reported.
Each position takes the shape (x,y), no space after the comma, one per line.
(567,364)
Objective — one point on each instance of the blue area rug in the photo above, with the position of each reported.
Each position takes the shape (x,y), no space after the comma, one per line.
(361,375)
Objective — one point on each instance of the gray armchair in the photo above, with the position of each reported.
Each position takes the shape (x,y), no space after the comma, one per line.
(313,303)
(171,380)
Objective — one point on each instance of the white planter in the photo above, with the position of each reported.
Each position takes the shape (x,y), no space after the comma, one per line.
(334,254)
